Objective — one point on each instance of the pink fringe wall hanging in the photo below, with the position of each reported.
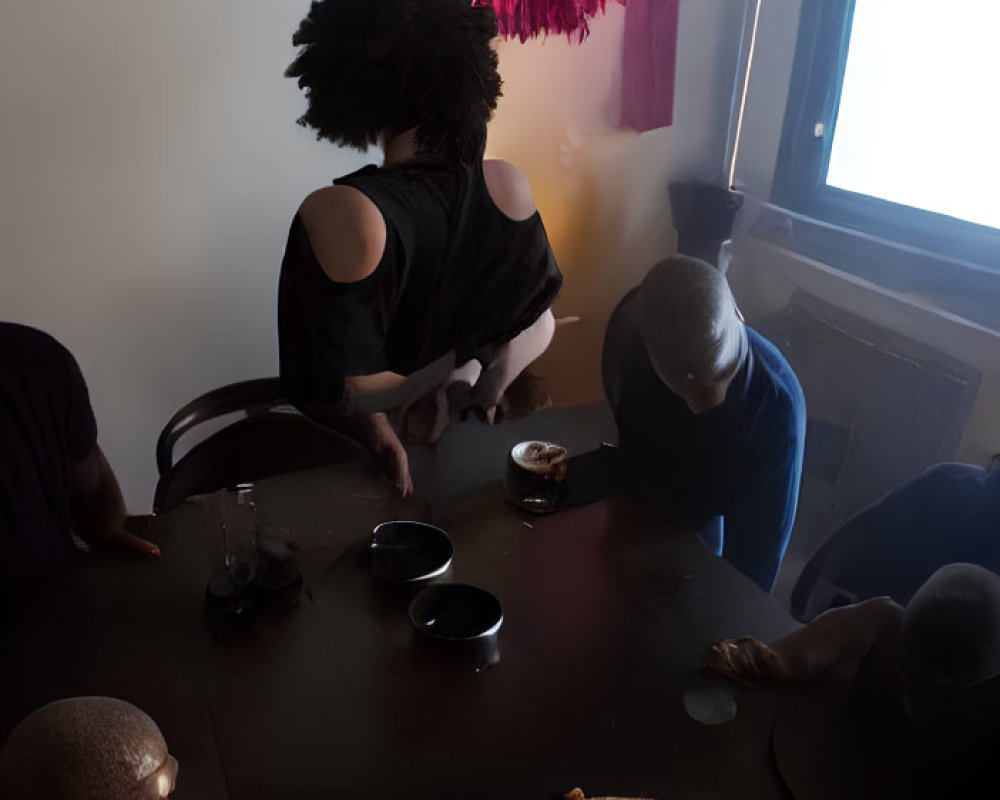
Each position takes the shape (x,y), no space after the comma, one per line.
(649,61)
(526,19)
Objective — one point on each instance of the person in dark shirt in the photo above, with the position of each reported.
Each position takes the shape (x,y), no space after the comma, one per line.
(425,283)
(928,675)
(56,486)
(947,513)
(711,418)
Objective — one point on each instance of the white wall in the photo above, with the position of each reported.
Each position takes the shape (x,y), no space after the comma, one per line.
(150,165)
(150,168)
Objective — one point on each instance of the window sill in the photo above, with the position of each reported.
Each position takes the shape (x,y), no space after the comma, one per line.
(955,289)
(765,275)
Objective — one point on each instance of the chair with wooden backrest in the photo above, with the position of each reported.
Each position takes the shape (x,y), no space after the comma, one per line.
(269,439)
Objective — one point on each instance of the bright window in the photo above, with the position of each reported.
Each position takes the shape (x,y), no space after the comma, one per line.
(918,122)
(892,129)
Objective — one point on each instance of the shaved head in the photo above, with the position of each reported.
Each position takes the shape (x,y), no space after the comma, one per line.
(951,627)
(86,748)
(692,329)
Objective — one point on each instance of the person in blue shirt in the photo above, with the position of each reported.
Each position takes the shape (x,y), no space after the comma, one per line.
(947,513)
(711,418)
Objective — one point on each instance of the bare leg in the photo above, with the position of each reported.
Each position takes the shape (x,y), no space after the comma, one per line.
(425,420)
(469,373)
(517,354)
(470,386)
(525,395)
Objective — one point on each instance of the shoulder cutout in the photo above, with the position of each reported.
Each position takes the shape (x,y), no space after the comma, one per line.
(509,189)
(346,232)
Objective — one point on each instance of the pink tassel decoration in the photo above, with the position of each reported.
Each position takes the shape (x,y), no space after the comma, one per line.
(526,19)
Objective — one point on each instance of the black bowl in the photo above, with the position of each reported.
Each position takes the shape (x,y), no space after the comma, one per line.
(456,612)
(404,552)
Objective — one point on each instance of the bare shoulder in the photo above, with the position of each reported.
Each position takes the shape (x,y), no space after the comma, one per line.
(346,232)
(509,188)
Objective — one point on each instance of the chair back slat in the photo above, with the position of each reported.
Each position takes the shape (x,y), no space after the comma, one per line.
(253,396)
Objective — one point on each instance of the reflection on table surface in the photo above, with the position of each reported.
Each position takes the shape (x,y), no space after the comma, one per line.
(605,620)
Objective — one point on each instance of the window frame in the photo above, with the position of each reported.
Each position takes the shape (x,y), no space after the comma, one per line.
(803,159)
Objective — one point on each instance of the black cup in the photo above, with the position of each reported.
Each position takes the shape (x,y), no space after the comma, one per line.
(404,551)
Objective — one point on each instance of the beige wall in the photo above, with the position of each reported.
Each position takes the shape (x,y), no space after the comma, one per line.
(149,167)
(603,191)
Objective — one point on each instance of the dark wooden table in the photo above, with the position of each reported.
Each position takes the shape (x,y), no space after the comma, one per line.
(606,618)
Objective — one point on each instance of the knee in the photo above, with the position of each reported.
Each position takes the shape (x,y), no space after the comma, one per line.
(545,327)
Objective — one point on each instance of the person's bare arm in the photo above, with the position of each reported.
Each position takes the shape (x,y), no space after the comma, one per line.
(362,416)
(98,505)
(509,189)
(347,234)
(374,432)
(511,194)
(837,637)
(384,391)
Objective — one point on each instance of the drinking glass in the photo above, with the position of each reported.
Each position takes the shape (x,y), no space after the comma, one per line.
(233,541)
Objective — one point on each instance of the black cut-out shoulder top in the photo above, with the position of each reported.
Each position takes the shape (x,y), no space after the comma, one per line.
(456,273)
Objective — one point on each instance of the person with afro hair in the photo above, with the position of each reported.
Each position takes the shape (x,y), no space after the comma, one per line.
(422,286)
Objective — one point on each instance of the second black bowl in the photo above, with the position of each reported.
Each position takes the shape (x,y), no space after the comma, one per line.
(456,613)
(405,551)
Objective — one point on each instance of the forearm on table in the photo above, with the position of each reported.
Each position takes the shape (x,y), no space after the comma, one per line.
(375,433)
(98,508)
(837,637)
(336,416)
(98,505)
(382,391)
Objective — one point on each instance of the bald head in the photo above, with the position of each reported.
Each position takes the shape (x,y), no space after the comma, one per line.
(692,330)
(951,627)
(86,748)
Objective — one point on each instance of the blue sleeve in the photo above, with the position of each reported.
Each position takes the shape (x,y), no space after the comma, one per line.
(622,347)
(759,521)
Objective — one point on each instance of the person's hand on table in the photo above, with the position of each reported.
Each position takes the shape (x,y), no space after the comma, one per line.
(836,638)
(99,509)
(374,431)
(395,464)
(577,794)
(389,452)
(747,661)
(123,537)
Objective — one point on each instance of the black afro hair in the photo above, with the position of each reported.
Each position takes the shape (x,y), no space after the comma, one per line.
(370,67)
